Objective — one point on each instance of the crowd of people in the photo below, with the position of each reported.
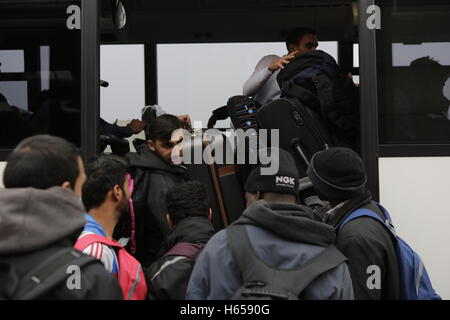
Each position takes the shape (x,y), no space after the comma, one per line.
(139,228)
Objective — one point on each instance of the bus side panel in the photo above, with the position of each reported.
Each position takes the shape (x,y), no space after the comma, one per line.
(416,192)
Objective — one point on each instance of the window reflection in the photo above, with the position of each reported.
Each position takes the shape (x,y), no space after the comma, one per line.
(414,75)
(40,75)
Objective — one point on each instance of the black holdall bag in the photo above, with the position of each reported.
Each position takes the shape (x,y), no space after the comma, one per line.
(301,131)
(316,80)
(263,282)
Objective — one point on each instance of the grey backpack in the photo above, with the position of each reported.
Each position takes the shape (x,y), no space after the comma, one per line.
(263,282)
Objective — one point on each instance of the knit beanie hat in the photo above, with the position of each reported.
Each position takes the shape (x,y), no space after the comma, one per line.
(337,174)
(284,181)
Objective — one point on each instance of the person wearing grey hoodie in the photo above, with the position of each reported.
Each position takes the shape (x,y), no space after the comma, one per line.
(282,234)
(41,216)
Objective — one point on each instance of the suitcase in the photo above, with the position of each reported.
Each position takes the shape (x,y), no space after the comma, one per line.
(224,186)
(301,131)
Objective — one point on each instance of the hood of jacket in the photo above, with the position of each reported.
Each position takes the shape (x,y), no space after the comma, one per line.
(148,159)
(289,221)
(32,219)
(191,230)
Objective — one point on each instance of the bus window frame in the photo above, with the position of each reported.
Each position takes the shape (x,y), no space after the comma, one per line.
(90,80)
(371,149)
(368,98)
(411,149)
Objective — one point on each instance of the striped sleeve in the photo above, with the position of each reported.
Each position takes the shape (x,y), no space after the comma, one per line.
(105,254)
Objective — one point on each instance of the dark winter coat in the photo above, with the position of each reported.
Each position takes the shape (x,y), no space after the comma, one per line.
(153,178)
(365,242)
(35,224)
(168,277)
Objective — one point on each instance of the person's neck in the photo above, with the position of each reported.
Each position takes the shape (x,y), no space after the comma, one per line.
(279,198)
(104,215)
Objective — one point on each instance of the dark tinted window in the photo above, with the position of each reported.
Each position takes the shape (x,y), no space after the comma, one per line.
(40,70)
(413,54)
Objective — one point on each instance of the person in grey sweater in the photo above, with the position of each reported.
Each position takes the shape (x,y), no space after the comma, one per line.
(262,84)
(41,217)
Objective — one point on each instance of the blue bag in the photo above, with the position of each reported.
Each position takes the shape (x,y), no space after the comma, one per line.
(415,282)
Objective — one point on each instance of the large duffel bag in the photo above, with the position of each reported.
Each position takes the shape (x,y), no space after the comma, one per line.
(301,131)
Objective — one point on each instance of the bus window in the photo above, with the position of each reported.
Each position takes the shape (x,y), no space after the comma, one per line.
(198,78)
(413,75)
(12,61)
(356,55)
(122,66)
(40,71)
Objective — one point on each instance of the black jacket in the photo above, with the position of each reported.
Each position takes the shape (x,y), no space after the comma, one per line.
(35,224)
(153,178)
(168,277)
(365,242)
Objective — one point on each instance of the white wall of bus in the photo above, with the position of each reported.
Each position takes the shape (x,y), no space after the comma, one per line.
(415,192)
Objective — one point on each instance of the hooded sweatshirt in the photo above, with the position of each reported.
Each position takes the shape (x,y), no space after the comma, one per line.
(32,219)
(35,224)
(168,277)
(283,236)
(153,178)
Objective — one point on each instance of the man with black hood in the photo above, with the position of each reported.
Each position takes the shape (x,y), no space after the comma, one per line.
(339,176)
(153,175)
(281,233)
(189,218)
(41,217)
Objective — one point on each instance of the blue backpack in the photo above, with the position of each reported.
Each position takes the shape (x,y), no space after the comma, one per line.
(415,283)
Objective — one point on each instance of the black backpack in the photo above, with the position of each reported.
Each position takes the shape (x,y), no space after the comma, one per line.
(263,282)
(45,276)
(317,81)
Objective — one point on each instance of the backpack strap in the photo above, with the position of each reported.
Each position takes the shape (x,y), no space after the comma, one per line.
(89,239)
(50,273)
(366,212)
(253,269)
(189,250)
(132,215)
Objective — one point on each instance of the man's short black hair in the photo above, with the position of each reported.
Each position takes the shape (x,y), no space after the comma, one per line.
(41,162)
(296,35)
(162,127)
(102,174)
(186,200)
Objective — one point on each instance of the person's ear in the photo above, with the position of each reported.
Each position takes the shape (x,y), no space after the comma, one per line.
(117,193)
(210,214)
(66,185)
(169,221)
(151,145)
